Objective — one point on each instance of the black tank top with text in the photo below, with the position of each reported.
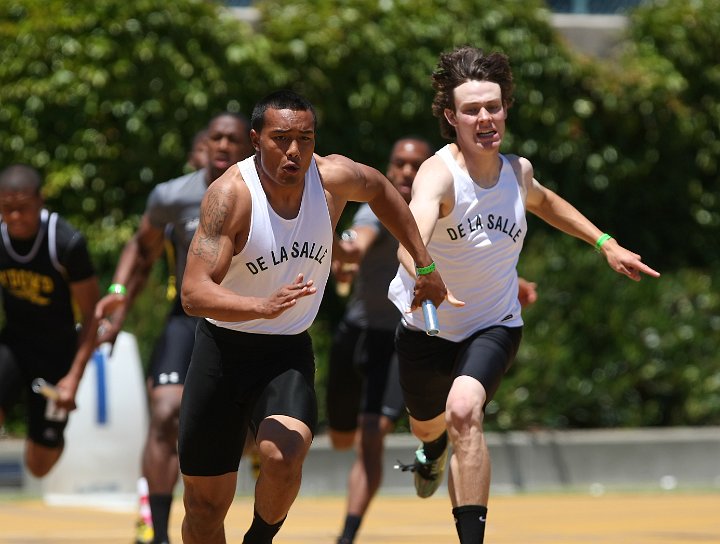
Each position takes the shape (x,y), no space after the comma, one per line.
(35,278)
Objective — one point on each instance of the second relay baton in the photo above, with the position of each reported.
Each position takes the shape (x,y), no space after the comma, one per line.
(47,390)
(431,318)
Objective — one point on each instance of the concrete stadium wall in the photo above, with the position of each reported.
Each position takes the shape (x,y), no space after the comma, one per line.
(594,461)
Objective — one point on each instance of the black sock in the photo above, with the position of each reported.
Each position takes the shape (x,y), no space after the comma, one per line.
(160,511)
(352,524)
(470,523)
(435,449)
(261,532)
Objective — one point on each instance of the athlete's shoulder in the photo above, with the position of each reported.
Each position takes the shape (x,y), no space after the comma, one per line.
(230,191)
(71,250)
(65,232)
(522,167)
(518,161)
(168,191)
(335,165)
(434,170)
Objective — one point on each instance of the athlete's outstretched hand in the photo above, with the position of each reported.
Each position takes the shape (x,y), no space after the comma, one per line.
(286,297)
(623,261)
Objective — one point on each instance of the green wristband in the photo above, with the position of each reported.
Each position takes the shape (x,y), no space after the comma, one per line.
(600,241)
(424,270)
(117,289)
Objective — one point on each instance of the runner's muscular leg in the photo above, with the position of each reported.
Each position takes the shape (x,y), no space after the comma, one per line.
(283,443)
(342,440)
(207,500)
(470,464)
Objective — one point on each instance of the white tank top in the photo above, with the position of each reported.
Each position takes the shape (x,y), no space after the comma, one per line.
(277,250)
(476,249)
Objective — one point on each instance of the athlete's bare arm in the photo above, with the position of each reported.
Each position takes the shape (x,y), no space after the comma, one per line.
(559,213)
(85,293)
(132,271)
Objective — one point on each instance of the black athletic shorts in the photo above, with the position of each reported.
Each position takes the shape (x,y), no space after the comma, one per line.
(20,364)
(429,365)
(171,356)
(362,376)
(236,380)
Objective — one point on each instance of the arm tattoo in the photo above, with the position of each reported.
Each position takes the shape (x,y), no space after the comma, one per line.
(207,244)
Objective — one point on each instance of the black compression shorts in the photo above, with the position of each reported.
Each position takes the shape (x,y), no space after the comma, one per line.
(171,355)
(362,376)
(236,380)
(20,364)
(429,365)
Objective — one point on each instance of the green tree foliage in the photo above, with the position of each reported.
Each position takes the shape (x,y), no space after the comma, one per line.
(656,122)
(104,98)
(367,65)
(600,350)
(686,35)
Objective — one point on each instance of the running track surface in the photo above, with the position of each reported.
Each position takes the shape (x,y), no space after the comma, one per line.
(660,518)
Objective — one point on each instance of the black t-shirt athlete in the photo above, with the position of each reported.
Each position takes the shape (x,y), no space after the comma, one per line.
(39,337)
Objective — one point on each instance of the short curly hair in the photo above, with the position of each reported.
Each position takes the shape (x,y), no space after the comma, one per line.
(464,64)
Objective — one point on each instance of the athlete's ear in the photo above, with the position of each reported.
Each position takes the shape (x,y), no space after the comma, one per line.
(450,116)
(255,139)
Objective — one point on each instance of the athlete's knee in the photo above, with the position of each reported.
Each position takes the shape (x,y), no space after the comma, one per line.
(283,461)
(341,440)
(387,425)
(202,511)
(40,460)
(371,435)
(206,504)
(39,469)
(427,431)
(165,412)
(463,413)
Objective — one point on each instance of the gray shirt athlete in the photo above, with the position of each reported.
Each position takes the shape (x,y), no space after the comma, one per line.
(175,205)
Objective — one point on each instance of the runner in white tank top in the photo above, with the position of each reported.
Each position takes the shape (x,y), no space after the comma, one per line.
(469,202)
(256,270)
(479,244)
(277,250)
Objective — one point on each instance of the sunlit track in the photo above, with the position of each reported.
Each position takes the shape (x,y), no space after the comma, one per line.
(617,518)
